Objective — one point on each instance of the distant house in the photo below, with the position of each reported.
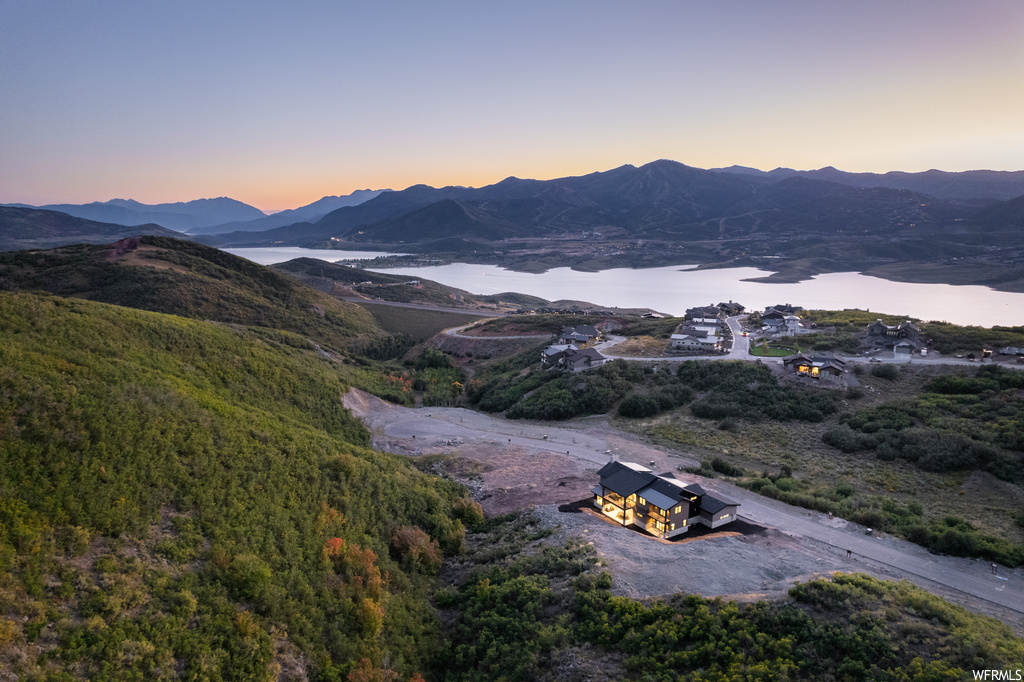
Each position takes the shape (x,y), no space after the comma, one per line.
(731,308)
(1011,350)
(882,335)
(657,503)
(569,358)
(816,366)
(784,308)
(709,312)
(777,322)
(690,339)
(550,356)
(579,335)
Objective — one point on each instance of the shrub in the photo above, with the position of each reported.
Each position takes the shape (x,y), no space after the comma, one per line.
(889,372)
(416,549)
(725,468)
(637,406)
(468,511)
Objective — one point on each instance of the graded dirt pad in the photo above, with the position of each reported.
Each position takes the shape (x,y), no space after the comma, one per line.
(760,563)
(511,465)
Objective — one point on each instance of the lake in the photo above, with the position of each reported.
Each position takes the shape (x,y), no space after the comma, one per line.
(673,289)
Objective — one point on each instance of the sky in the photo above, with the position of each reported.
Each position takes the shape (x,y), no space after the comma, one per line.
(278,104)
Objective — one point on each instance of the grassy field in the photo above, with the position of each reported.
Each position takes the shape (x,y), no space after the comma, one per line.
(418,324)
(990,504)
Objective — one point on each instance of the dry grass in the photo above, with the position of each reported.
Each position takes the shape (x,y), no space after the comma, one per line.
(976,496)
(640,346)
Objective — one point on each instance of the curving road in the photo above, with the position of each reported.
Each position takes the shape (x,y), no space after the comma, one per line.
(580,439)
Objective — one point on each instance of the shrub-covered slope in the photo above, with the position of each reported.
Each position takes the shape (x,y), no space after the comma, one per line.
(180,499)
(184,278)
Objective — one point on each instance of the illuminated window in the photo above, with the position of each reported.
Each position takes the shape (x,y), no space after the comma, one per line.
(642,501)
(678,510)
(599,500)
(671,526)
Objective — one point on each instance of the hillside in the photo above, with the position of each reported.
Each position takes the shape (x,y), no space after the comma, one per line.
(30,228)
(191,280)
(184,500)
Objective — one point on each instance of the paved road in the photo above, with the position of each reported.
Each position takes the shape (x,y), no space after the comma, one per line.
(971,576)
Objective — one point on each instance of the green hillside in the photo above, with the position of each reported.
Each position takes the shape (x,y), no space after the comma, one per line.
(184,278)
(180,499)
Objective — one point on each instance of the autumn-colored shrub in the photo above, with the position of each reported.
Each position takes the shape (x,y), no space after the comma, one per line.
(416,548)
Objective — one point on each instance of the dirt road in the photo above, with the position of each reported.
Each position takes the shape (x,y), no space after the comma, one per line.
(516,464)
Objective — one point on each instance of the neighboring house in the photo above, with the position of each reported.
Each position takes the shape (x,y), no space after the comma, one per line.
(579,335)
(1011,350)
(730,309)
(884,335)
(657,503)
(777,322)
(550,356)
(695,340)
(575,360)
(709,312)
(784,308)
(816,366)
(569,358)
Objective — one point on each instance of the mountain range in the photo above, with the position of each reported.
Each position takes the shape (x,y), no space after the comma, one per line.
(662,200)
(798,223)
(204,216)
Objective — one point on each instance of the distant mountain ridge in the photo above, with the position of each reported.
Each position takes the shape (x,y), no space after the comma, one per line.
(33,228)
(662,200)
(961,186)
(307,213)
(180,216)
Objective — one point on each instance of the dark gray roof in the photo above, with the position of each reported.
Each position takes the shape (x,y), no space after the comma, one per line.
(695,489)
(669,490)
(713,505)
(609,469)
(624,480)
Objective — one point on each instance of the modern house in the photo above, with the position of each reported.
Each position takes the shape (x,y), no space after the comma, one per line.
(579,335)
(549,356)
(777,322)
(690,339)
(569,358)
(784,308)
(884,335)
(731,308)
(660,504)
(708,313)
(815,366)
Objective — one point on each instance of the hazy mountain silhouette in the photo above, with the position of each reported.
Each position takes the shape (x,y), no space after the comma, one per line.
(33,228)
(181,216)
(308,213)
(963,186)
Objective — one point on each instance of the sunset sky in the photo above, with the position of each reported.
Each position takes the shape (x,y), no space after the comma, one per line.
(277,104)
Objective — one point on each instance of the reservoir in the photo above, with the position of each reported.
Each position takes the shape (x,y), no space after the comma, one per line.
(673,289)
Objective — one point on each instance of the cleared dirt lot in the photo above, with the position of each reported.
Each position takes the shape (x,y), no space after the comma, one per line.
(514,465)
